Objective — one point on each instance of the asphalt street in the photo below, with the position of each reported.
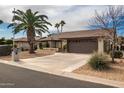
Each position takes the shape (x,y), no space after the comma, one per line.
(15,77)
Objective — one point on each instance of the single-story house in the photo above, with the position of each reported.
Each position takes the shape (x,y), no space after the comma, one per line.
(84,41)
(23,43)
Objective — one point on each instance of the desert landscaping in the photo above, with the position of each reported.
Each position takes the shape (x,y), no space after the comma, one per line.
(111,74)
(26,54)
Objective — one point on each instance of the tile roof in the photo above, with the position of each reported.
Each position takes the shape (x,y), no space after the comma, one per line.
(72,34)
(24,39)
(77,34)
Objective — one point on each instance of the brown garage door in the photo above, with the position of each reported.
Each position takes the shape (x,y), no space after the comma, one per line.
(82,46)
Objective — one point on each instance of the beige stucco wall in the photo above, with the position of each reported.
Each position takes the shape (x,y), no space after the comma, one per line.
(52,44)
(64,42)
(23,45)
(58,44)
(100,45)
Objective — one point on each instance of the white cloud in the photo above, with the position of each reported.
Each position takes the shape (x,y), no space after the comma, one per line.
(76,17)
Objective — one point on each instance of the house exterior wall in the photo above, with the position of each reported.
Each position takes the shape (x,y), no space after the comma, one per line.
(100,45)
(85,45)
(64,45)
(104,45)
(23,45)
(58,44)
(54,44)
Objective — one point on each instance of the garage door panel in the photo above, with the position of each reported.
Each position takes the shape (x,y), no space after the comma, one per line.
(82,46)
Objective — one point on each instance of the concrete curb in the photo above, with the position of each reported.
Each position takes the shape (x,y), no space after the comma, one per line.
(95,79)
(67,74)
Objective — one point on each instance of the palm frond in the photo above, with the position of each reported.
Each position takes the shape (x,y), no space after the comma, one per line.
(62,22)
(48,23)
(1,21)
(36,13)
(10,25)
(19,12)
(18,18)
(57,25)
(19,27)
(42,17)
(29,19)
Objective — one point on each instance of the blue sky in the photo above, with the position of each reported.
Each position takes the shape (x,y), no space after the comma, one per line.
(7,33)
(75,16)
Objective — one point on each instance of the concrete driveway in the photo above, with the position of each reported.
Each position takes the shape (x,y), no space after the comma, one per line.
(58,61)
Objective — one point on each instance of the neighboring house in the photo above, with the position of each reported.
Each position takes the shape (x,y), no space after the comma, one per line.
(84,41)
(120,43)
(23,43)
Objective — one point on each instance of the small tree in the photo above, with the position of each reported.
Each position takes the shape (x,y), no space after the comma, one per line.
(110,20)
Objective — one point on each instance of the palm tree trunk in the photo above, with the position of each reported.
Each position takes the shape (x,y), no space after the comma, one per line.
(31,39)
(31,51)
(61,28)
(58,30)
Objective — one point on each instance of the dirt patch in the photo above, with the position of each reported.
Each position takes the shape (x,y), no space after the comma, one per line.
(25,54)
(119,62)
(111,74)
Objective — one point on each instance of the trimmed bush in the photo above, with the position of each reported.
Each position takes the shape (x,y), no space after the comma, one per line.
(98,61)
(9,42)
(117,54)
(5,50)
(65,46)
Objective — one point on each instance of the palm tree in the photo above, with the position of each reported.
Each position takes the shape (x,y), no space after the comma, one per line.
(62,23)
(1,21)
(57,26)
(30,22)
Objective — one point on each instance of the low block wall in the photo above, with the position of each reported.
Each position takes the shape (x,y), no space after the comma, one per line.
(5,50)
(52,49)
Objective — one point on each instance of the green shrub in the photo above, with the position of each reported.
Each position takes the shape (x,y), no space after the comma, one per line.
(117,54)
(9,41)
(65,47)
(98,61)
